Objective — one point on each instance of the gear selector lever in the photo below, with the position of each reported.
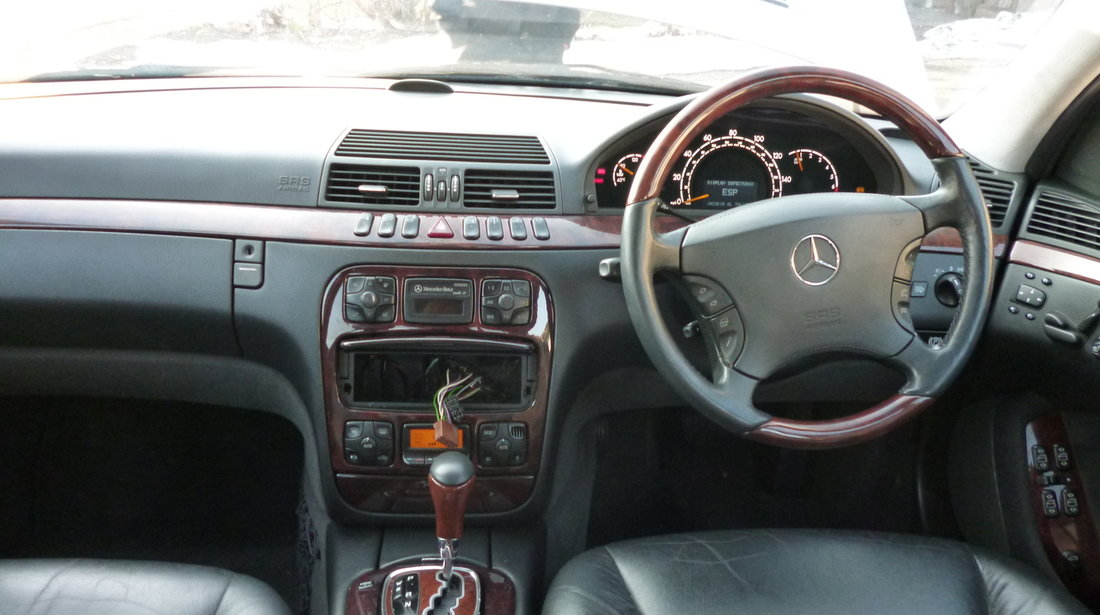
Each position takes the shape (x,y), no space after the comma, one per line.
(450,480)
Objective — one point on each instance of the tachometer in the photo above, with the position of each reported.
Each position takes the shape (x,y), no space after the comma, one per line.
(727,171)
(625,169)
(811,171)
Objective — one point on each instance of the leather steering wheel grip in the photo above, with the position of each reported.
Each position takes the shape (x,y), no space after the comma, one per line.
(727,397)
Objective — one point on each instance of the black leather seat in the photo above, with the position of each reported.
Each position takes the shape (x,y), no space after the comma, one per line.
(800,571)
(108,587)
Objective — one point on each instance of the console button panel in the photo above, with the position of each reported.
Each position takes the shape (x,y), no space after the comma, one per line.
(510,315)
(368,443)
(505,302)
(501,444)
(370,299)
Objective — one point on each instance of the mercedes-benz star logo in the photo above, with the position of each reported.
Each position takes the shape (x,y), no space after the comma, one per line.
(815,260)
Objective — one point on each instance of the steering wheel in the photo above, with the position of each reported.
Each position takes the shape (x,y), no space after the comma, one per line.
(784,280)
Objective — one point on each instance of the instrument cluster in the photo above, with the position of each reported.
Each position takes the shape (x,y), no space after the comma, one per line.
(750,155)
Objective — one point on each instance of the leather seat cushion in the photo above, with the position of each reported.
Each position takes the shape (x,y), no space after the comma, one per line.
(800,571)
(113,587)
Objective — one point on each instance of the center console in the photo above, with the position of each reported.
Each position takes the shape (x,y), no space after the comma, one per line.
(390,338)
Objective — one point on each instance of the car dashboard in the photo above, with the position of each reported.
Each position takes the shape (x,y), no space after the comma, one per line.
(332,251)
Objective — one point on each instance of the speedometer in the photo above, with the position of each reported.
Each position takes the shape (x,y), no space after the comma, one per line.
(728,171)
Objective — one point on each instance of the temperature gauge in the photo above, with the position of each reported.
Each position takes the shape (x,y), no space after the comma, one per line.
(624,170)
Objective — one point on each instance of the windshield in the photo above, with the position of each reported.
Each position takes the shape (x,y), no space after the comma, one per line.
(938,52)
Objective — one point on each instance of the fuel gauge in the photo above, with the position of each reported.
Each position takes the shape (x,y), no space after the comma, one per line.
(810,171)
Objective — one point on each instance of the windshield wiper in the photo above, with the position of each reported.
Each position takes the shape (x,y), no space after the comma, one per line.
(141,71)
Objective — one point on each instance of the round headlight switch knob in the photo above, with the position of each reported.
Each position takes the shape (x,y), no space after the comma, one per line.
(949,289)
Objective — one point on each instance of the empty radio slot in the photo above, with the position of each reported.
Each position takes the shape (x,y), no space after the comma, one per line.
(405,375)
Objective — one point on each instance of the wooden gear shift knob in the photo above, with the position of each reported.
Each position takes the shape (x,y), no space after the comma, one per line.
(450,480)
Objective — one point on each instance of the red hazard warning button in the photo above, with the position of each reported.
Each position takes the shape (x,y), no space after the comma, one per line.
(441,230)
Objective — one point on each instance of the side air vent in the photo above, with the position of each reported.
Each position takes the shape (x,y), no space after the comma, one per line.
(997,191)
(510,189)
(1066,218)
(443,146)
(373,185)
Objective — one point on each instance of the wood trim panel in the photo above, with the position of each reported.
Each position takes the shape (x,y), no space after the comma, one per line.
(335,226)
(866,425)
(299,224)
(948,241)
(365,594)
(404,488)
(402,494)
(1056,260)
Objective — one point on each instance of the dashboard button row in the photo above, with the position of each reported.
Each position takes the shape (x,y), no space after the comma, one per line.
(495,226)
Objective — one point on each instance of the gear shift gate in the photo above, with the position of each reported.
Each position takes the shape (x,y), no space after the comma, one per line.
(418,590)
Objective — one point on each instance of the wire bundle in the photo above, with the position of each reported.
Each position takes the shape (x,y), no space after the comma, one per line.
(447,398)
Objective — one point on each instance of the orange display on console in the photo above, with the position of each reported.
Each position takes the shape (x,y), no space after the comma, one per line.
(424,437)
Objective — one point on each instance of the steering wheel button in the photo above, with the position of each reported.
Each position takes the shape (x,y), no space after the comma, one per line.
(899,302)
(726,322)
(707,294)
(729,346)
(903,270)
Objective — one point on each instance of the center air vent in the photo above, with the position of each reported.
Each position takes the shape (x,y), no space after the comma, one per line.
(510,189)
(997,191)
(1066,218)
(373,185)
(443,146)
